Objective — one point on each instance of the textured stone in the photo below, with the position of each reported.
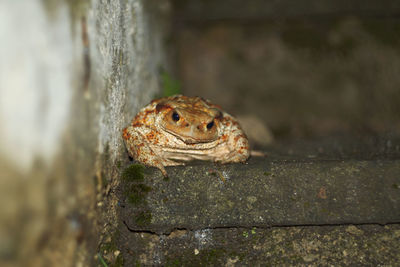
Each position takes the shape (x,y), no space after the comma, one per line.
(272,191)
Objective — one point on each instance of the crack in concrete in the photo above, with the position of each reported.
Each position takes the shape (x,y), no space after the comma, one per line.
(249,227)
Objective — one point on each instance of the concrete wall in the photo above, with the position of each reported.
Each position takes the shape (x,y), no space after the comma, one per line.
(72,75)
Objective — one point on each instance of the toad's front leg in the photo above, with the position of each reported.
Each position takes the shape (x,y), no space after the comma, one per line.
(238,145)
(139,148)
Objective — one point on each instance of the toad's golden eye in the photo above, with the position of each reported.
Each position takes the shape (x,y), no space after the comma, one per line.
(175,116)
(210,125)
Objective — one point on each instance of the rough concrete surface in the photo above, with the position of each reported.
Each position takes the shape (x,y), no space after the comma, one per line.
(345,245)
(305,209)
(265,193)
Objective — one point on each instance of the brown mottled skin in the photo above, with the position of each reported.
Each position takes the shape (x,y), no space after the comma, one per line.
(179,128)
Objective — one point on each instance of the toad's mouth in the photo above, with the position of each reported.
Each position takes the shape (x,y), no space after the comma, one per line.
(190,140)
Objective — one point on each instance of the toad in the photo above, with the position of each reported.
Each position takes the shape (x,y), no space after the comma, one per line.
(172,130)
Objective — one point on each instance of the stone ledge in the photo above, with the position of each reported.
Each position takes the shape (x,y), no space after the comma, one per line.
(263,193)
(343,245)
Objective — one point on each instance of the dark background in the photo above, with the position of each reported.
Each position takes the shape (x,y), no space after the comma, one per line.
(303,68)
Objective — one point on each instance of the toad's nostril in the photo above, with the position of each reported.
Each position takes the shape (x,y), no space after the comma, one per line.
(198,127)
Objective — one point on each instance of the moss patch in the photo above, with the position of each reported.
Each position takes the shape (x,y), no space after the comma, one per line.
(170,85)
(133,173)
(136,193)
(143,218)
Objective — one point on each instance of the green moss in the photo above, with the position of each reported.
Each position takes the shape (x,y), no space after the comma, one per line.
(133,173)
(253,231)
(267,173)
(170,85)
(395,186)
(136,193)
(143,218)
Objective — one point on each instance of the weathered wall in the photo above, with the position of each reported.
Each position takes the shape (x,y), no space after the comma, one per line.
(72,74)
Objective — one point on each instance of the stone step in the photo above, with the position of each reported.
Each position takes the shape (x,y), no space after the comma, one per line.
(262,193)
(341,245)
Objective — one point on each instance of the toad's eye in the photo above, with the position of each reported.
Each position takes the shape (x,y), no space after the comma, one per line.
(175,116)
(210,125)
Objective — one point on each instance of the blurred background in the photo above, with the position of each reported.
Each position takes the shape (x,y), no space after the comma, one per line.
(305,69)
(74,73)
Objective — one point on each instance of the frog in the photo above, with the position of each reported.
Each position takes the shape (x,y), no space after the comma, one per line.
(170,131)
